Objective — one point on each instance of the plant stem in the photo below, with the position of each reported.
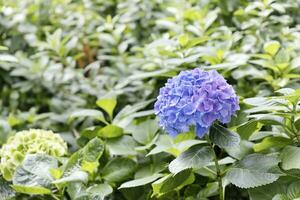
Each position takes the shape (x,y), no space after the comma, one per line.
(294,130)
(219,177)
(218,172)
(55,197)
(178,194)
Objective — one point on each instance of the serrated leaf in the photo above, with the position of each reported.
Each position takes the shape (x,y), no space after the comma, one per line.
(35,171)
(254,170)
(88,155)
(195,158)
(267,192)
(223,137)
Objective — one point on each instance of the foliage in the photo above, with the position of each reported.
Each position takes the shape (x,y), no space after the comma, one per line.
(90,71)
(29,142)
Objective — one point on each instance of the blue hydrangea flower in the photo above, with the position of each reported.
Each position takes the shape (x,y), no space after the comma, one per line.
(195,98)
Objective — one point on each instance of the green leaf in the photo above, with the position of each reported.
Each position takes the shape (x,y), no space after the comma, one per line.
(136,193)
(195,158)
(108,105)
(239,151)
(75,176)
(5,130)
(272,142)
(118,169)
(145,131)
(283,189)
(3,48)
(166,144)
(246,129)
(184,136)
(254,170)
(110,131)
(124,145)
(183,39)
(35,171)
(280,197)
(223,137)
(297,124)
(31,189)
(88,113)
(6,192)
(92,151)
(150,169)
(140,181)
(129,112)
(290,157)
(269,119)
(293,191)
(78,191)
(211,189)
(101,190)
(271,47)
(173,182)
(84,160)
(8,58)
(267,192)
(282,58)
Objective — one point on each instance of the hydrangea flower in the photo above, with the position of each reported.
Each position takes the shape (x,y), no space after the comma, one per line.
(32,141)
(195,98)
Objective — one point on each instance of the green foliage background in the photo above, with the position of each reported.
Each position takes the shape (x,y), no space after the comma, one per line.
(91,70)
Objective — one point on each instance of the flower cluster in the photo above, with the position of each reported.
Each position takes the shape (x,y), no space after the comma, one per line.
(195,98)
(29,142)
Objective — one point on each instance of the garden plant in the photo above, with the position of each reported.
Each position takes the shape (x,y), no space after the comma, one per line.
(150,100)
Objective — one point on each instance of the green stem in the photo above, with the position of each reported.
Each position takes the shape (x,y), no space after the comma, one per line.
(292,122)
(218,172)
(178,194)
(55,197)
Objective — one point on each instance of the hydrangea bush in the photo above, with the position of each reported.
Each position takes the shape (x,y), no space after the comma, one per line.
(195,98)
(32,141)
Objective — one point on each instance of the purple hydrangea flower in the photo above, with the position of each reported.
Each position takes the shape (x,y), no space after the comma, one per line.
(195,98)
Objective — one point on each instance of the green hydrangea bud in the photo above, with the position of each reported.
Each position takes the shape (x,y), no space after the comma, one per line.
(29,142)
